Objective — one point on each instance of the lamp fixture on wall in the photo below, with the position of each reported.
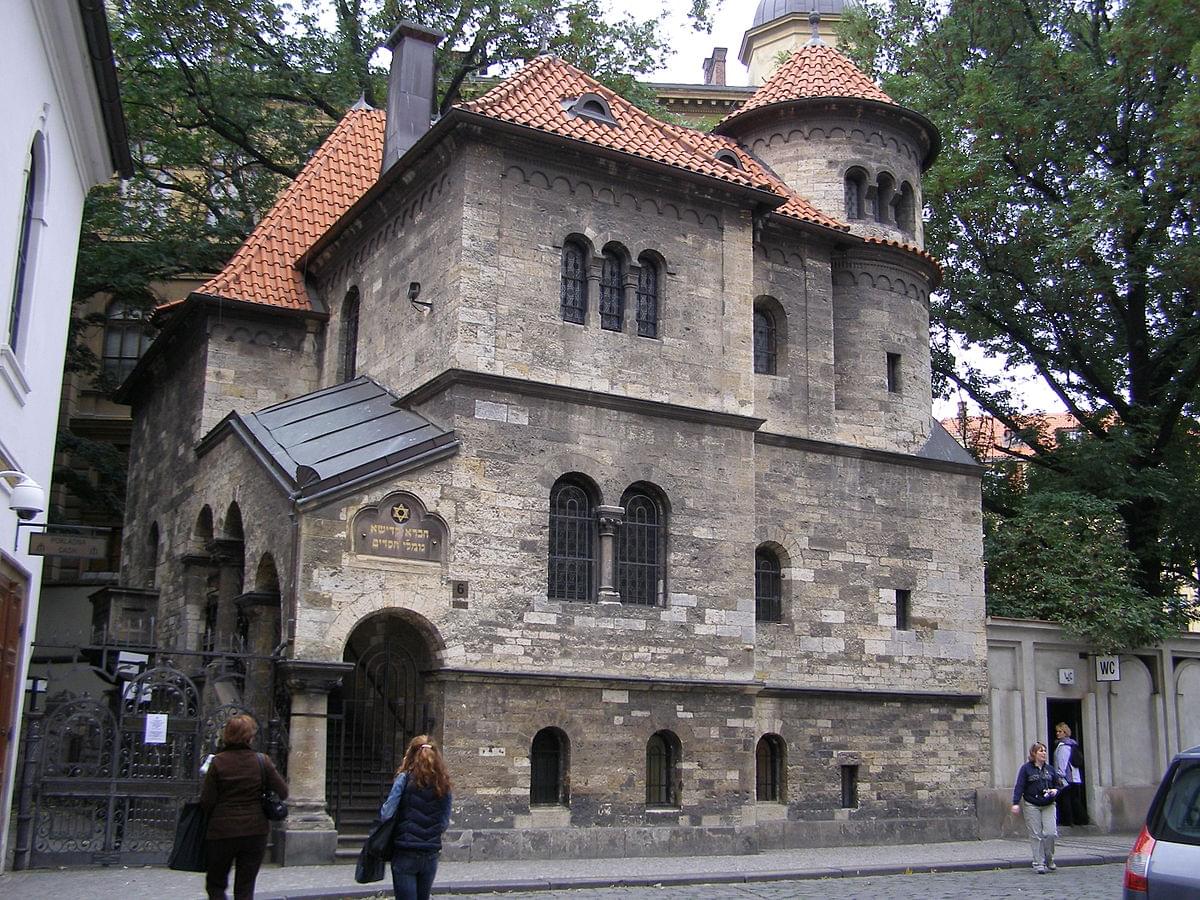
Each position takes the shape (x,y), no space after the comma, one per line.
(414,291)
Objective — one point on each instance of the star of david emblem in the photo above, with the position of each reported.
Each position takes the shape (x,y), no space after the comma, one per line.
(400,514)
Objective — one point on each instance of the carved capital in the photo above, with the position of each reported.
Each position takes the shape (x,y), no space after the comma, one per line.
(310,676)
(610,518)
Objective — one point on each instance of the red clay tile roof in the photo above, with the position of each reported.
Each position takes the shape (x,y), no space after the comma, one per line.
(911,248)
(815,70)
(339,173)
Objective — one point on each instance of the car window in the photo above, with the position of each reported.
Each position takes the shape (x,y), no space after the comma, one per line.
(1178,818)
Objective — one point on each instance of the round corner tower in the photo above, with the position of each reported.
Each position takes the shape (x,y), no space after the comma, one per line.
(840,142)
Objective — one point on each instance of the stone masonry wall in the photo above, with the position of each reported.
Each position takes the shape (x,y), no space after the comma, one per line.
(850,531)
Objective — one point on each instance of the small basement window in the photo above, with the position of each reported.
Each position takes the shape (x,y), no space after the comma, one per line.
(849,787)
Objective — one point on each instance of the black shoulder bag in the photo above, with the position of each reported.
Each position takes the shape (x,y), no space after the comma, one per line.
(377,849)
(273,808)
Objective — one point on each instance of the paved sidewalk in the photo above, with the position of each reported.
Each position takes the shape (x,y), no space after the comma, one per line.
(337,881)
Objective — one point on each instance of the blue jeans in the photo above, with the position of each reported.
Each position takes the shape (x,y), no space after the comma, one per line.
(412,873)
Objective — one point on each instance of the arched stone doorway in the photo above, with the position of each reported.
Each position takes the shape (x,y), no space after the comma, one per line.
(380,706)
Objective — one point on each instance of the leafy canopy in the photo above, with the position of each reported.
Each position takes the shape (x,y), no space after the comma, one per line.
(1064,204)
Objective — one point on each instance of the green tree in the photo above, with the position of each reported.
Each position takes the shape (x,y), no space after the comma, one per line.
(1064,204)
(1062,557)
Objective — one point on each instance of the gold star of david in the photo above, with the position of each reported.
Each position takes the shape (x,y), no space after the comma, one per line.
(400,513)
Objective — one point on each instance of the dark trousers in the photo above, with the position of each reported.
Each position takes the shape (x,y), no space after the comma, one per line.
(247,852)
(412,873)
(1071,807)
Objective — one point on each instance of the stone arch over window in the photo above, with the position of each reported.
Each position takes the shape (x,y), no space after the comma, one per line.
(856,192)
(614,267)
(350,313)
(203,533)
(126,338)
(231,527)
(770,769)
(650,272)
(572,547)
(664,783)
(770,336)
(768,584)
(549,768)
(641,557)
(885,189)
(573,280)
(906,208)
(32,217)
(266,576)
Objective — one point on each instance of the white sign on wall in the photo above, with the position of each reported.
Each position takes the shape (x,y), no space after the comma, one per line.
(1108,668)
(1066,676)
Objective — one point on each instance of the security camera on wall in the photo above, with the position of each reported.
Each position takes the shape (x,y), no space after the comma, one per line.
(28,498)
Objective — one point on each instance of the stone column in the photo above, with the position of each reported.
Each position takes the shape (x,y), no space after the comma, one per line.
(261,610)
(308,836)
(610,518)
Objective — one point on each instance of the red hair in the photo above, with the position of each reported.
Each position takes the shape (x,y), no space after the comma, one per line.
(425,767)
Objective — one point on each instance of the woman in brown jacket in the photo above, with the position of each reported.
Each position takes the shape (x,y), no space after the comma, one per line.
(232,797)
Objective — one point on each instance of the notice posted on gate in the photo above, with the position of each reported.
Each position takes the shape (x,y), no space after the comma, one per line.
(156,728)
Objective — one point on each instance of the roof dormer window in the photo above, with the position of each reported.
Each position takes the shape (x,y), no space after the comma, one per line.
(729,158)
(592,106)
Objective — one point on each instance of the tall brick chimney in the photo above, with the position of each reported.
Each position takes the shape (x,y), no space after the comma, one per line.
(714,67)
(411,87)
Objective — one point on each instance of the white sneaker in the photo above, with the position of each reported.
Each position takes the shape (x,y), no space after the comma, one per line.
(1041,870)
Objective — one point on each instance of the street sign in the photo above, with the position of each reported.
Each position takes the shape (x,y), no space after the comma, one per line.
(1066,676)
(1108,668)
(79,546)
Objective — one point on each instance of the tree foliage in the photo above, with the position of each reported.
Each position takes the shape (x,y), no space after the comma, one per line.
(1064,204)
(1063,558)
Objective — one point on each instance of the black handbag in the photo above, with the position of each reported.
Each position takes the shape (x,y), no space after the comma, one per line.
(369,867)
(188,851)
(377,848)
(273,808)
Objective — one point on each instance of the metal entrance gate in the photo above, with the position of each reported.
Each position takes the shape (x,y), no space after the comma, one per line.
(105,769)
(372,717)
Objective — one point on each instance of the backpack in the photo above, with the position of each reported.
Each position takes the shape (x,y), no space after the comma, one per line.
(1076,756)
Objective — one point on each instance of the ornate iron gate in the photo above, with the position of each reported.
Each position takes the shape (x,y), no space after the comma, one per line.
(105,769)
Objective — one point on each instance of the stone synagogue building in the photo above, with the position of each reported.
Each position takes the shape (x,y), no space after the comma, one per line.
(598,447)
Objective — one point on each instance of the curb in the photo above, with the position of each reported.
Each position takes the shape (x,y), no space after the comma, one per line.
(358,891)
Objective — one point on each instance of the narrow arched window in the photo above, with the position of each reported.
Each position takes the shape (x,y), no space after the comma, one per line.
(572,542)
(856,188)
(884,192)
(612,291)
(905,204)
(641,549)
(768,586)
(24,250)
(663,753)
(548,768)
(764,342)
(126,338)
(152,557)
(350,335)
(769,768)
(647,297)
(573,283)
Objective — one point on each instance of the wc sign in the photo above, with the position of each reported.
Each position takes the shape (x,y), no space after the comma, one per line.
(1108,668)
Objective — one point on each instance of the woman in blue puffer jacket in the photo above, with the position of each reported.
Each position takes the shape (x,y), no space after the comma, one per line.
(420,800)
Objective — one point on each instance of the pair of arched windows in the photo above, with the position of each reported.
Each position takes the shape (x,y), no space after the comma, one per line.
(883,201)
(637,530)
(613,287)
(550,764)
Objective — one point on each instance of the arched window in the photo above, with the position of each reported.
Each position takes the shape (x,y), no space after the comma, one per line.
(663,784)
(769,768)
(549,761)
(25,246)
(612,290)
(572,542)
(573,283)
(768,586)
(856,189)
(350,335)
(647,297)
(764,342)
(905,204)
(126,338)
(884,191)
(641,549)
